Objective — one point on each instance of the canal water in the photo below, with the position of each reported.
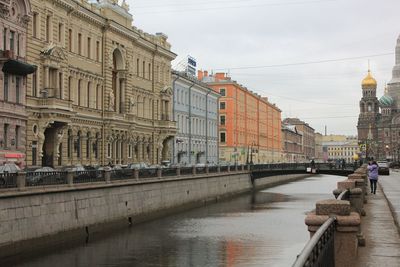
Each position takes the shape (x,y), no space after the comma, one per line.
(264,229)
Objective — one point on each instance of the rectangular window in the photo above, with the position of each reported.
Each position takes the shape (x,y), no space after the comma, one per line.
(98,51)
(34,85)
(222,92)
(61,34)
(17,89)
(69,88)
(129,151)
(108,150)
(60,85)
(79,92)
(88,95)
(70,40)
(18,45)
(137,67)
(5,135)
(48,30)
(222,105)
(12,40)
(222,120)
(144,69)
(79,44)
(4,39)
(17,134)
(5,87)
(89,47)
(222,137)
(149,76)
(34,24)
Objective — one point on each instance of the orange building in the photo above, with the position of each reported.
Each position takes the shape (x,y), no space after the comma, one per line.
(250,126)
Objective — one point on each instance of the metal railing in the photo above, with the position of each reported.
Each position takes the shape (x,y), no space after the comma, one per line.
(88,176)
(33,179)
(46,178)
(320,249)
(8,180)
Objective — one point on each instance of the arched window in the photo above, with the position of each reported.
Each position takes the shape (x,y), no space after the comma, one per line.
(78,145)
(369,107)
(69,144)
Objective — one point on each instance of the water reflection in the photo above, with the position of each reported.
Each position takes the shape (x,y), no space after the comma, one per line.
(264,229)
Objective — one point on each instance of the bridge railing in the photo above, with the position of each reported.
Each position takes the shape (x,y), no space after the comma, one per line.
(320,249)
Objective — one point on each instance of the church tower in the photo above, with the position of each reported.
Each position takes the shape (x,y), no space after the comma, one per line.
(394,84)
(369,111)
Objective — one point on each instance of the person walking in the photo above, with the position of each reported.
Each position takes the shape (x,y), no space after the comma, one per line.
(373,175)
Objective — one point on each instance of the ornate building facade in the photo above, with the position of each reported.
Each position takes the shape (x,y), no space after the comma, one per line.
(379,131)
(14,18)
(196,113)
(102,91)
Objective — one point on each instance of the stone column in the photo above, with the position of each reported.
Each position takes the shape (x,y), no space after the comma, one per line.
(347,228)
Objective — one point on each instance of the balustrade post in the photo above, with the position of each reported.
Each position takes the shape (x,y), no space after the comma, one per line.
(207,169)
(70,178)
(242,167)
(178,171)
(219,168)
(359,183)
(136,174)
(107,175)
(236,167)
(21,180)
(159,172)
(347,228)
(194,170)
(229,168)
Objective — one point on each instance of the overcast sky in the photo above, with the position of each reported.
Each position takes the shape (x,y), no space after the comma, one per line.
(233,36)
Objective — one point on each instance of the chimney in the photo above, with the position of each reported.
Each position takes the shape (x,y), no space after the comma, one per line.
(200,75)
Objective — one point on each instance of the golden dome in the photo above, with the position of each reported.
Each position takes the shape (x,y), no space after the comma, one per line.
(369,81)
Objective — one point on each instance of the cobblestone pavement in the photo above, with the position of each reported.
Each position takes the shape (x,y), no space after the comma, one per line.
(379,227)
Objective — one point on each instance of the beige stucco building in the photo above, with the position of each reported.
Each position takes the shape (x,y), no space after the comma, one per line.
(102,91)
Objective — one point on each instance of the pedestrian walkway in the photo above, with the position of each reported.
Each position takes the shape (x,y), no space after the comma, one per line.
(378,226)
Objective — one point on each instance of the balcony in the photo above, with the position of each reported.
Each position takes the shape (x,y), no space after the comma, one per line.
(50,103)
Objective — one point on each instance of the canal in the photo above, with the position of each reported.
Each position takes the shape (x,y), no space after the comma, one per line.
(264,229)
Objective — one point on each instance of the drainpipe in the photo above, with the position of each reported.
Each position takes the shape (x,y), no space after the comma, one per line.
(173,116)
(190,123)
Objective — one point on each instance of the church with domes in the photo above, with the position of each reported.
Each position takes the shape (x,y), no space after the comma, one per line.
(379,120)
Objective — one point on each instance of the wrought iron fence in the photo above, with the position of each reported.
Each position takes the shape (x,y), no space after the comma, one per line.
(213,169)
(320,250)
(148,173)
(121,174)
(186,171)
(224,168)
(46,178)
(8,180)
(88,176)
(168,172)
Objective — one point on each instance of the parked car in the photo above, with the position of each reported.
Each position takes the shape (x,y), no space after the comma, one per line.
(9,168)
(383,168)
(139,165)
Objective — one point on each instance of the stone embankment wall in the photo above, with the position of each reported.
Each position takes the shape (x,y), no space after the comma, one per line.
(40,214)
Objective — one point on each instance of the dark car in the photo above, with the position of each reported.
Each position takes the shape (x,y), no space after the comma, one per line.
(383,168)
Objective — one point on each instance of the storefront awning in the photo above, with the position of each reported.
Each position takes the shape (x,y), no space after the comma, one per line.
(14,156)
(17,67)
